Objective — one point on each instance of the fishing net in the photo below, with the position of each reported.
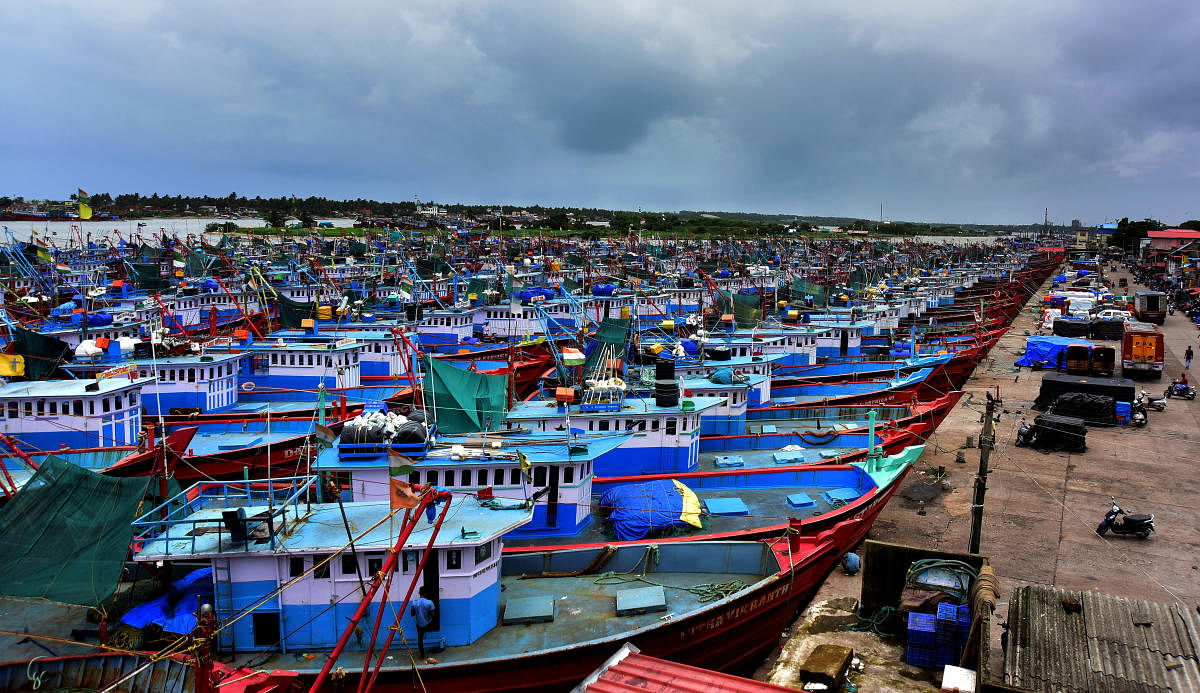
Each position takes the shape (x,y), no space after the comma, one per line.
(293,313)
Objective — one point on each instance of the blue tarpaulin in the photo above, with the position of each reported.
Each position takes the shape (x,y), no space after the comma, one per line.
(175,611)
(638,509)
(1043,352)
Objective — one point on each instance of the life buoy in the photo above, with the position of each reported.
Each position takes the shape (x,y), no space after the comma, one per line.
(248,387)
(996,293)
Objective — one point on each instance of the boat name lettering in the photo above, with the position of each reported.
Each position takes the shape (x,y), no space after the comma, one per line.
(343,342)
(735,613)
(115,371)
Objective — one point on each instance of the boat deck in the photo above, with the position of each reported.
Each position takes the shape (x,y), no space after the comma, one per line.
(767,459)
(758,507)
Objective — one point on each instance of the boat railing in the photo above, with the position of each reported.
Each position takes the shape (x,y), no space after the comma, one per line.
(178,517)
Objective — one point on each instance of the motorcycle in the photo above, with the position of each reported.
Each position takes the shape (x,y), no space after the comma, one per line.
(1118,521)
(1181,390)
(1149,402)
(1024,435)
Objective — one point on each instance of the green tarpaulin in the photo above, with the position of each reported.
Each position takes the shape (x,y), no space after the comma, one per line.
(462,401)
(746,309)
(42,354)
(292,313)
(612,332)
(64,535)
(146,275)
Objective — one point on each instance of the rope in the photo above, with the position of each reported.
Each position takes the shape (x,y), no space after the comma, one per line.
(875,622)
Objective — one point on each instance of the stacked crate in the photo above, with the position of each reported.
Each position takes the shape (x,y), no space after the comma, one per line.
(937,640)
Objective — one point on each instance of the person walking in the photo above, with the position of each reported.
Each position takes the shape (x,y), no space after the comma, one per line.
(422,610)
(1187,357)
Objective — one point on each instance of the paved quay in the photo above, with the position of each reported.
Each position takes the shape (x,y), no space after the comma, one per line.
(1041,510)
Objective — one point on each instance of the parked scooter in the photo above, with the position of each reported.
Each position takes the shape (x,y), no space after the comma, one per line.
(1151,403)
(1137,414)
(1180,390)
(1024,435)
(1118,521)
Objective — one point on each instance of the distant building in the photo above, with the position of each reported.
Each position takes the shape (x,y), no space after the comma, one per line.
(600,224)
(1170,239)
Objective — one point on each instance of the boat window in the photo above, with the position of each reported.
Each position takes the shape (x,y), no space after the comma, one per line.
(349,564)
(498,477)
(78,407)
(431,476)
(453,559)
(641,425)
(483,552)
(266,629)
(514,477)
(569,474)
(449,477)
(414,478)
(604,424)
(321,566)
(480,477)
(41,407)
(295,566)
(539,475)
(191,375)
(374,564)
(671,426)
(54,407)
(654,424)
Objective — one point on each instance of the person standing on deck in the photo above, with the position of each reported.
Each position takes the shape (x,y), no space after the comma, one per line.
(422,610)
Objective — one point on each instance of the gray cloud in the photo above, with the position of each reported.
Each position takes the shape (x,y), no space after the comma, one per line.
(941,110)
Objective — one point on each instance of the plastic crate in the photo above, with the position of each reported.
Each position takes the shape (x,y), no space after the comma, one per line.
(922,629)
(923,657)
(947,612)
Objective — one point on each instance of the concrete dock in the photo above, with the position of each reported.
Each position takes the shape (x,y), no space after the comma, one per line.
(1041,510)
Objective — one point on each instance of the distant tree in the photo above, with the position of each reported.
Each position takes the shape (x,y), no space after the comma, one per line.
(307,220)
(557,220)
(275,219)
(1191,225)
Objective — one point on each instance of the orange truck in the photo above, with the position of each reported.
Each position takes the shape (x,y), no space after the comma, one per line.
(1142,350)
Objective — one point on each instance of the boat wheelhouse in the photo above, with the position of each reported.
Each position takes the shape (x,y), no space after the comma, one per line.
(286,560)
(205,384)
(52,414)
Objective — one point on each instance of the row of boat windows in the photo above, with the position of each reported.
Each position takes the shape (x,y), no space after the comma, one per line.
(311,359)
(480,477)
(190,375)
(349,566)
(68,407)
(670,426)
(453,321)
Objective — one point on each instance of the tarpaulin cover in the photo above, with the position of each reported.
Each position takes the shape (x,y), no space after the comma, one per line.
(639,509)
(1108,329)
(1055,384)
(175,611)
(1068,327)
(42,353)
(463,401)
(1053,432)
(1094,410)
(613,332)
(65,534)
(293,313)
(1043,352)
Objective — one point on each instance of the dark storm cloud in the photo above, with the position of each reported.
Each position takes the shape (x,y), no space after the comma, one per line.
(940,110)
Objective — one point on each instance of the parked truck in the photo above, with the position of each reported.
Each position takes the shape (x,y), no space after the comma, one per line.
(1150,306)
(1142,350)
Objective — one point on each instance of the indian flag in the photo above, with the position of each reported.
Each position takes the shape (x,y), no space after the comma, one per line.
(324,435)
(177,260)
(62,267)
(573,357)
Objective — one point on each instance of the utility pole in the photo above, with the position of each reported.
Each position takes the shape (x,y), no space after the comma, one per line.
(987,441)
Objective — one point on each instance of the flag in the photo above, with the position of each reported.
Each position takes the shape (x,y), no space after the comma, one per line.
(177,260)
(12,365)
(525,465)
(82,193)
(62,267)
(324,436)
(44,255)
(400,465)
(573,357)
(402,495)
(85,212)
(141,225)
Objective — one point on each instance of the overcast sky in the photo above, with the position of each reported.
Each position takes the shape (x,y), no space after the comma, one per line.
(942,111)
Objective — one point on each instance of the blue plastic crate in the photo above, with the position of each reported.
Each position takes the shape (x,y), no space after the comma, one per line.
(947,612)
(946,654)
(921,629)
(920,657)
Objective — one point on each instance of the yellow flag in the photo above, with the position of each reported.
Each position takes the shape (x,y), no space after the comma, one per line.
(85,212)
(12,365)
(525,465)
